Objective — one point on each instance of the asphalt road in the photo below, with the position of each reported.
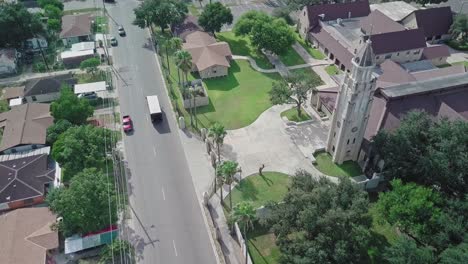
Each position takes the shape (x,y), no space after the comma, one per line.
(167,224)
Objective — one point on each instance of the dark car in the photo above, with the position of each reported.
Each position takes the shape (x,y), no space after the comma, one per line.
(121,31)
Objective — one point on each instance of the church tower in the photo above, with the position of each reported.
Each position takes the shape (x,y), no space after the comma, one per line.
(352,108)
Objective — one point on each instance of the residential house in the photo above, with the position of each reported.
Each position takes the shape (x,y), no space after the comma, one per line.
(46,89)
(27,236)
(76,28)
(24,127)
(435,23)
(13,95)
(25,181)
(209,57)
(8,62)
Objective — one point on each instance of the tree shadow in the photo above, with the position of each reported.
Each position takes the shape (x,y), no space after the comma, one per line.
(267,180)
(248,190)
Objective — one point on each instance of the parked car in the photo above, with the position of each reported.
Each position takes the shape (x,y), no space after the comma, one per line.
(121,31)
(127,123)
(90,95)
(113,41)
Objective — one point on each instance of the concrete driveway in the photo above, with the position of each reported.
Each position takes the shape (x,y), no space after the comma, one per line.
(271,142)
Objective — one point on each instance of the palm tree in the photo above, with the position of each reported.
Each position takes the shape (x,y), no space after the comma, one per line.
(220,181)
(175,44)
(244,214)
(217,132)
(184,62)
(228,169)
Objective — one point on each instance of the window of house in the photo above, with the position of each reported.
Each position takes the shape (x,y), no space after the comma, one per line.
(438,37)
(34,98)
(347,143)
(388,56)
(333,149)
(29,201)
(214,70)
(407,53)
(354,140)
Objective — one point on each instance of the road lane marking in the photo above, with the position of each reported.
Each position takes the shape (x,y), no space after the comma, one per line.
(175,249)
(164,195)
(154,151)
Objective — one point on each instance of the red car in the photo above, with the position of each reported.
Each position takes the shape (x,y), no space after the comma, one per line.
(127,123)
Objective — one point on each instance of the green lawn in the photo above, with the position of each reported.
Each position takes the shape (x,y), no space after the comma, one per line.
(311,73)
(272,186)
(328,167)
(237,99)
(243,47)
(461,62)
(315,53)
(262,247)
(332,69)
(291,114)
(101,24)
(291,58)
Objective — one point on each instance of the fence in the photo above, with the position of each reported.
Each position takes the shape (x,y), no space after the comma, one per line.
(242,244)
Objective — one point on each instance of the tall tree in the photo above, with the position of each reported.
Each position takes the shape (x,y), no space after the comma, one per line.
(87,205)
(293,88)
(459,27)
(56,3)
(175,44)
(265,32)
(118,247)
(217,133)
(214,16)
(322,222)
(81,147)
(55,130)
(414,209)
(244,214)
(428,151)
(162,13)
(228,170)
(70,107)
(52,12)
(455,255)
(90,65)
(17,25)
(183,61)
(406,251)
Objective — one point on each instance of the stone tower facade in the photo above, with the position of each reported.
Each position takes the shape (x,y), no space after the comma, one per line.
(352,107)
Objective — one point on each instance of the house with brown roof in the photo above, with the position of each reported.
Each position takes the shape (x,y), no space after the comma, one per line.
(209,57)
(8,62)
(27,237)
(13,95)
(24,127)
(25,181)
(339,29)
(76,28)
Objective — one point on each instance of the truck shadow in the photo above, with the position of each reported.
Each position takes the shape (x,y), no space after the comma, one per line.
(162,126)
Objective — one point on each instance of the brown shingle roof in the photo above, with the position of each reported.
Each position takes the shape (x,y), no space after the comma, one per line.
(24,178)
(398,41)
(46,85)
(76,25)
(434,52)
(358,8)
(205,51)
(21,242)
(13,92)
(25,124)
(434,21)
(338,50)
(378,23)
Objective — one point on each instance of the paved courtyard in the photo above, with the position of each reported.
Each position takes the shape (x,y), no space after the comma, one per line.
(271,142)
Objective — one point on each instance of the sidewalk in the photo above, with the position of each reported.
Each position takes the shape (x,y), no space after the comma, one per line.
(231,249)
